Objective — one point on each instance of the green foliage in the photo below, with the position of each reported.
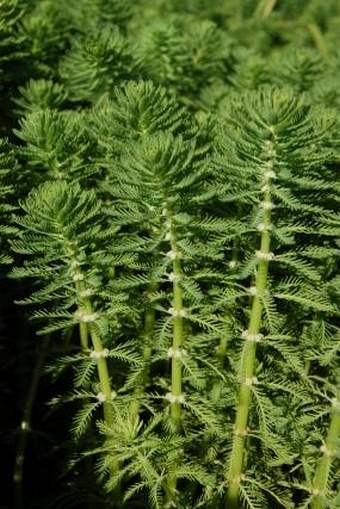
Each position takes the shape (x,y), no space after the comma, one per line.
(170,194)
(95,63)
(8,175)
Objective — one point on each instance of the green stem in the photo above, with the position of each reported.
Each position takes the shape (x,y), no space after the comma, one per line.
(149,324)
(87,331)
(323,469)
(177,311)
(102,369)
(318,40)
(265,8)
(83,328)
(176,364)
(247,364)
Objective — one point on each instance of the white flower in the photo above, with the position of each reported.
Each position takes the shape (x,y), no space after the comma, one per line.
(77,276)
(174,255)
(177,312)
(174,399)
(264,256)
(264,227)
(84,316)
(174,277)
(176,353)
(251,381)
(267,205)
(100,354)
(327,452)
(87,292)
(256,338)
(101,397)
(253,290)
(336,404)
(269,174)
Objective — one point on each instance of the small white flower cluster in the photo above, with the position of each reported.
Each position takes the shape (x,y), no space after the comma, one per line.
(101,397)
(95,355)
(83,316)
(75,264)
(251,381)
(169,236)
(174,278)
(241,432)
(327,452)
(87,292)
(315,492)
(253,291)
(174,399)
(182,313)
(336,404)
(267,205)
(77,276)
(256,338)
(176,353)
(232,264)
(238,479)
(174,255)
(266,187)
(260,255)
(261,227)
(269,174)
(269,148)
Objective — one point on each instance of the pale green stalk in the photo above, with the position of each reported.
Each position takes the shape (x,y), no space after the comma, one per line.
(329,452)
(247,364)
(102,368)
(176,396)
(265,8)
(318,40)
(87,331)
(149,324)
(176,364)
(83,328)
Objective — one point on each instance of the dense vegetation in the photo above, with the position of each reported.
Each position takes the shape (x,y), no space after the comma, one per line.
(170,253)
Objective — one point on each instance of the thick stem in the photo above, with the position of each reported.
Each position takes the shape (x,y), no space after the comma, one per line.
(176,364)
(102,369)
(323,469)
(175,397)
(105,386)
(87,331)
(176,368)
(248,358)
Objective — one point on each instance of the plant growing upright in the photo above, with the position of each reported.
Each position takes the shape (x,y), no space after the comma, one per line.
(169,189)
(283,192)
